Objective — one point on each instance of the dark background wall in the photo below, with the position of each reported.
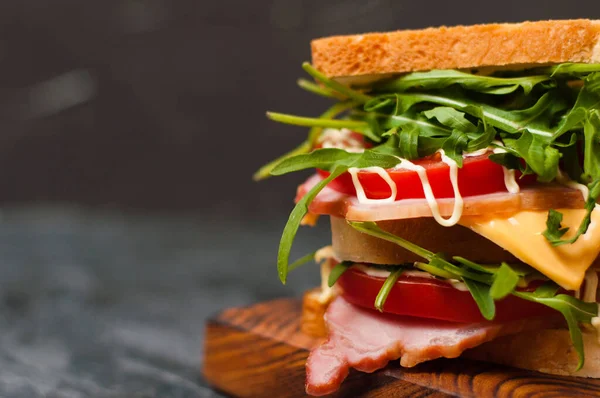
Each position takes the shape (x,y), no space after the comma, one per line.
(156,104)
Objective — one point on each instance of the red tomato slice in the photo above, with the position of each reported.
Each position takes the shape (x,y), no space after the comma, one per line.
(432,298)
(478,176)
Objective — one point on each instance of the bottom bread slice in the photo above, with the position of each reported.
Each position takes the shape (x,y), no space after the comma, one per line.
(546,351)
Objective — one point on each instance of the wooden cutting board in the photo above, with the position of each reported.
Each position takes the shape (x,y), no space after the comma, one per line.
(259,351)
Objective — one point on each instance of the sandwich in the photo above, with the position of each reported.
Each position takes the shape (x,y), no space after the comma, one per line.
(460,170)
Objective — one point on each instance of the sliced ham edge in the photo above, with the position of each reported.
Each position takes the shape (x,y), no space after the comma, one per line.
(332,202)
(367,340)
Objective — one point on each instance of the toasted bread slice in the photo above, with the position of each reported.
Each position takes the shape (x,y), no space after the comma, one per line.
(366,57)
(547,351)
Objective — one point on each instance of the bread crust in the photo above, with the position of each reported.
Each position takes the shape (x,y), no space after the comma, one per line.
(458,47)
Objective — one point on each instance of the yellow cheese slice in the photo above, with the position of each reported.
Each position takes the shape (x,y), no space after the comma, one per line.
(521,235)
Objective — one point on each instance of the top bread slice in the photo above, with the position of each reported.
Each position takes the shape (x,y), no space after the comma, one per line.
(365,57)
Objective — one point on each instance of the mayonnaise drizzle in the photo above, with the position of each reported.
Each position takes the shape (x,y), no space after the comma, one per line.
(563,179)
(360,192)
(433,206)
(421,172)
(509,175)
(381,273)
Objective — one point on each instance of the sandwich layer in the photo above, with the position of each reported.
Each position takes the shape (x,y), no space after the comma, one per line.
(352,245)
(478,46)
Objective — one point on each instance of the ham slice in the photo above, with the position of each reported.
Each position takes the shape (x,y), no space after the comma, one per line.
(367,340)
(331,202)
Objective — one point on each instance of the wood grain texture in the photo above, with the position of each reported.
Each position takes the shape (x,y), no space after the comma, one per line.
(259,351)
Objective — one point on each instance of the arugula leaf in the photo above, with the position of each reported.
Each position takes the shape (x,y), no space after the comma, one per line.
(319,90)
(571,69)
(483,139)
(439,79)
(322,158)
(539,155)
(433,270)
(426,128)
(509,121)
(505,281)
(481,295)
(452,118)
(327,158)
(472,265)
(408,142)
(588,99)
(337,271)
(454,146)
(306,146)
(265,171)
(553,232)
(591,156)
(386,288)
(335,86)
(343,162)
(573,310)
(317,122)
(301,261)
(548,289)
(293,223)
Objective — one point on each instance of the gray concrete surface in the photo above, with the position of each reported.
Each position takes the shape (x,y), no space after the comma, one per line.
(105,304)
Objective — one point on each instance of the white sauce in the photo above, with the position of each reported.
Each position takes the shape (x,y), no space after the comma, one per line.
(360,192)
(478,152)
(563,179)
(509,181)
(509,175)
(458,285)
(324,253)
(381,273)
(325,256)
(420,170)
(433,206)
(341,139)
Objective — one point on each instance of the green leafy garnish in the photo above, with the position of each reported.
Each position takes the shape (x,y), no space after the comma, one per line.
(319,90)
(291,228)
(335,86)
(481,294)
(337,271)
(306,146)
(339,162)
(505,281)
(301,261)
(439,79)
(389,283)
(554,230)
